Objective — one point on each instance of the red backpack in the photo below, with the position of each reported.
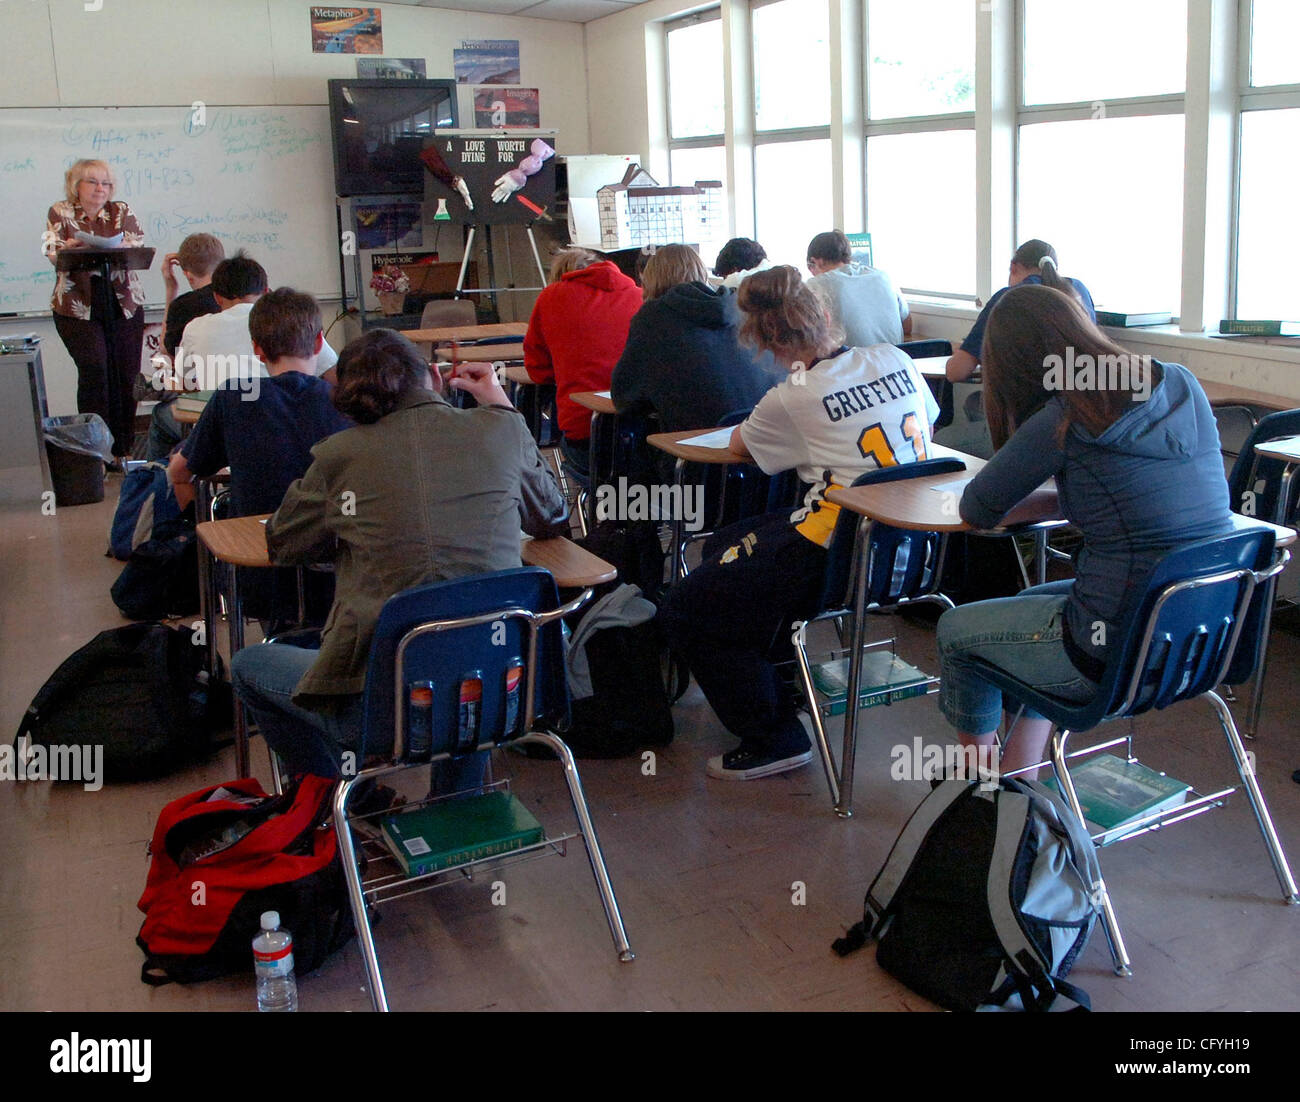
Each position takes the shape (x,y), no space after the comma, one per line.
(225,854)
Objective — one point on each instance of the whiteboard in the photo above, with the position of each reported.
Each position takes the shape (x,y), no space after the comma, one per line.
(259,178)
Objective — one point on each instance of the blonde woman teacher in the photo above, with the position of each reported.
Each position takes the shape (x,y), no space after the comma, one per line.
(102,326)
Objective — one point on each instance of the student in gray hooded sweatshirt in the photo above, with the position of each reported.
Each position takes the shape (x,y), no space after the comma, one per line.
(1135,454)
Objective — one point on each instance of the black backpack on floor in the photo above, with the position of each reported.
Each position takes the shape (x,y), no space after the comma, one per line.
(141,692)
(161,578)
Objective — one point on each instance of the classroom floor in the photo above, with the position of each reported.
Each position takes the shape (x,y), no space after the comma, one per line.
(704,870)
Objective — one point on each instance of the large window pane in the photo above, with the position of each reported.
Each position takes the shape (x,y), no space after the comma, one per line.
(1108,194)
(1275,33)
(690,165)
(1269,236)
(1105,49)
(930,73)
(792,64)
(921,208)
(792,197)
(695,79)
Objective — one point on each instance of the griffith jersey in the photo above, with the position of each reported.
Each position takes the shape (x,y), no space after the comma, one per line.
(860,410)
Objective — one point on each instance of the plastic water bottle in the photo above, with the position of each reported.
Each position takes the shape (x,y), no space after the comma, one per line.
(273,960)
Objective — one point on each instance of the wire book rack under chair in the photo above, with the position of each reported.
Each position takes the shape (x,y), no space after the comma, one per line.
(481,627)
(888,569)
(1197,625)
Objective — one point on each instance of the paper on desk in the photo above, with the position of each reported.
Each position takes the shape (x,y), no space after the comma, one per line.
(718,438)
(956,486)
(601,393)
(97,242)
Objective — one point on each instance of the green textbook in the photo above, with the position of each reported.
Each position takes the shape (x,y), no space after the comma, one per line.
(454,832)
(1114,793)
(885,679)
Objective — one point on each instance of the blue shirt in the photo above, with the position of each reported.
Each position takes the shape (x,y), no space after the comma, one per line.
(975,338)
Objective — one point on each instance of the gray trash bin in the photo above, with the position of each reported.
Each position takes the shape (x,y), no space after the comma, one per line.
(78,446)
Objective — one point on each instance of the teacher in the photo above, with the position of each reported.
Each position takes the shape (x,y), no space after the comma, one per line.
(101,326)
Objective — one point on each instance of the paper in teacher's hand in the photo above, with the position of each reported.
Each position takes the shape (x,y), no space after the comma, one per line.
(97,242)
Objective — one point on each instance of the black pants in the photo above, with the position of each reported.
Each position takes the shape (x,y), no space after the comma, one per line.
(107,354)
(730,619)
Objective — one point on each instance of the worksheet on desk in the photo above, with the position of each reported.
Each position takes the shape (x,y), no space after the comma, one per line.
(718,438)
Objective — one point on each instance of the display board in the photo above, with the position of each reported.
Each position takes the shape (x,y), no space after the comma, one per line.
(260,178)
(481,158)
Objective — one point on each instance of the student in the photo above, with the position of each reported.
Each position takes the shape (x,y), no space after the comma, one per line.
(197,259)
(440,493)
(1140,473)
(683,360)
(266,438)
(738,258)
(862,301)
(1034,262)
(756,577)
(575,336)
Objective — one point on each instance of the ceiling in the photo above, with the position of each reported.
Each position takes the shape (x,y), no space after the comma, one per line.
(569,11)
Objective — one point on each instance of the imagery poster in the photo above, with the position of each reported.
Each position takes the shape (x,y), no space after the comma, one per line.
(495,108)
(346,31)
(390,68)
(487,61)
(390,226)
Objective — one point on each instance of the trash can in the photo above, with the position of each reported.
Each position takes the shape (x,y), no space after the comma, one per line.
(78,446)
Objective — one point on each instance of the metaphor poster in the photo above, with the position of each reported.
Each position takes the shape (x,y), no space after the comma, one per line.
(346,31)
(495,108)
(488,61)
(390,68)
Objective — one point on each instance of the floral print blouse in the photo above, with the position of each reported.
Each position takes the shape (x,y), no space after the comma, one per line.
(72,297)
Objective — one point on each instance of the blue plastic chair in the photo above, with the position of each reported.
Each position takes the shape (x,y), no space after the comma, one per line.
(1187,633)
(903,567)
(1258,487)
(444,633)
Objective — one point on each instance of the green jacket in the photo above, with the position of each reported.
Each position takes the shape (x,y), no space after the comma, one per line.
(427,493)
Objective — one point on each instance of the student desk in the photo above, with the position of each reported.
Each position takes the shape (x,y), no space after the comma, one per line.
(466,334)
(1225,394)
(187,416)
(916,504)
(516,373)
(241,541)
(932,367)
(480,353)
(601,405)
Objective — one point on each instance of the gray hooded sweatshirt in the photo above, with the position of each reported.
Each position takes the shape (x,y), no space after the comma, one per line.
(1151,482)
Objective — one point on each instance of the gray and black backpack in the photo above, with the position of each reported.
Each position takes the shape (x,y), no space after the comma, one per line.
(986,900)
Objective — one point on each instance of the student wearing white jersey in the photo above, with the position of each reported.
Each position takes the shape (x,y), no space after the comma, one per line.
(841,412)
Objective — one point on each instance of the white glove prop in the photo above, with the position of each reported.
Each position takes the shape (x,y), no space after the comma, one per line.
(459,185)
(507,184)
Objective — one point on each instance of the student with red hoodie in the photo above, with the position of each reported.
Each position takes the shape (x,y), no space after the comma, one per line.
(575,337)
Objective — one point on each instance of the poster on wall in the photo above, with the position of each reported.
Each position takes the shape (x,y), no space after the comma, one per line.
(390,225)
(495,108)
(390,68)
(490,178)
(346,31)
(487,61)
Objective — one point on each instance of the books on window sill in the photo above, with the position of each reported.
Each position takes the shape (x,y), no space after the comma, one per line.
(451,832)
(1242,327)
(1119,320)
(1115,793)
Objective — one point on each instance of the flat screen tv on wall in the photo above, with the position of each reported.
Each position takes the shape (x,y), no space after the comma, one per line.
(379,128)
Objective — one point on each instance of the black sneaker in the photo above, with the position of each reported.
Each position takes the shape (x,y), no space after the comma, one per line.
(749,765)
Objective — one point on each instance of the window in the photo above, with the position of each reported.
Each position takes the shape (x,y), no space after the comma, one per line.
(1274,32)
(921,143)
(792,197)
(696,111)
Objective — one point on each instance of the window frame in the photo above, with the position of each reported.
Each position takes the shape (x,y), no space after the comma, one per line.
(700,141)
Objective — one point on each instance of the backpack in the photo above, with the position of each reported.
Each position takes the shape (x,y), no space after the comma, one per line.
(225,854)
(986,899)
(161,579)
(146,508)
(139,691)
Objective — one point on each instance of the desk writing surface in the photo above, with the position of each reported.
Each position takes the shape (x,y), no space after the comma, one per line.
(241,541)
(1226,394)
(457,333)
(932,367)
(1286,448)
(480,354)
(517,373)
(671,442)
(187,416)
(594,400)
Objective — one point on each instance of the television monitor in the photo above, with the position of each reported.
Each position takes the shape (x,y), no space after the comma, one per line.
(379,128)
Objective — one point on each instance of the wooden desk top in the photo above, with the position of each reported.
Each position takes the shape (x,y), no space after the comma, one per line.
(241,541)
(932,367)
(456,333)
(596,402)
(1225,394)
(186,416)
(914,503)
(480,353)
(516,373)
(671,442)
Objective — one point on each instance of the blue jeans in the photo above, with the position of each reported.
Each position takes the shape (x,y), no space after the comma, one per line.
(577,460)
(265,677)
(164,430)
(1021,635)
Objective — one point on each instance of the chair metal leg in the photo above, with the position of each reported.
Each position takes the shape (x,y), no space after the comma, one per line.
(1247,772)
(1257,685)
(1118,952)
(814,712)
(588,832)
(352,876)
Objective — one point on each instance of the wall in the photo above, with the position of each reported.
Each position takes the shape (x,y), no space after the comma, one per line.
(243,52)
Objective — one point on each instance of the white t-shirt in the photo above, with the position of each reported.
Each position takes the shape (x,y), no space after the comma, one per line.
(865,303)
(860,410)
(224,348)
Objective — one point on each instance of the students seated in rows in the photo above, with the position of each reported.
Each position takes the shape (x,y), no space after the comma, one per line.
(438,493)
(841,412)
(197,259)
(265,434)
(1136,458)
(683,360)
(575,336)
(738,258)
(862,301)
(1035,262)
(215,347)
